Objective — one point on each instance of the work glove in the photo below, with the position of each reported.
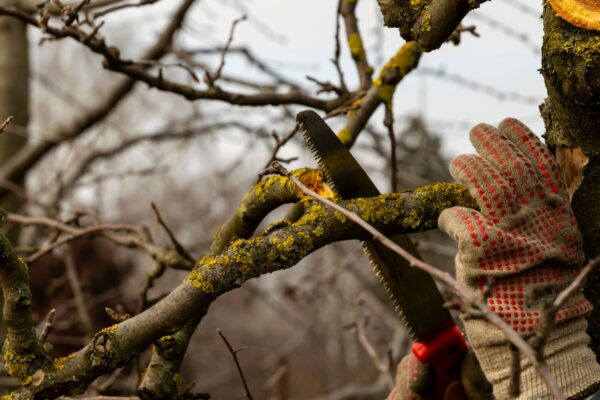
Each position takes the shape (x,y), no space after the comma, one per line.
(525,239)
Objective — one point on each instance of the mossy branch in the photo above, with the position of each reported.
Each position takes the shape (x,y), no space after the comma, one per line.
(278,248)
(281,248)
(381,92)
(161,378)
(428,22)
(355,42)
(23,352)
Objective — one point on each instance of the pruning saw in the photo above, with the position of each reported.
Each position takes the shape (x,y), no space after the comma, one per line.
(438,341)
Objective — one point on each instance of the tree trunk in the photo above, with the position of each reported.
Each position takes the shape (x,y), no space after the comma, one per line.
(14,100)
(571,70)
(14,92)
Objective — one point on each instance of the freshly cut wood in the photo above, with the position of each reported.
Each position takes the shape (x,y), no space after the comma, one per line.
(582,13)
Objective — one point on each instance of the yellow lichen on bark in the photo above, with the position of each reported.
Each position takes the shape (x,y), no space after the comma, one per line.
(356,46)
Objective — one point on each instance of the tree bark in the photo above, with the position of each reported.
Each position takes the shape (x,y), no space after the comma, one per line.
(14,100)
(14,83)
(571,70)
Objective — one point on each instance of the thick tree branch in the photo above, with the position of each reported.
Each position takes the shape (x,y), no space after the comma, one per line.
(429,22)
(277,249)
(165,362)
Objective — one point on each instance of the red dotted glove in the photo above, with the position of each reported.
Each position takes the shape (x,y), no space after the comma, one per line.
(525,237)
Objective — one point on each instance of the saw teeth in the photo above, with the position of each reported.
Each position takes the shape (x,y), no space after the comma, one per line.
(313,149)
(384,282)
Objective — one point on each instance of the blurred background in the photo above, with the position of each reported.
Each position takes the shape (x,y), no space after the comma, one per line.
(309,329)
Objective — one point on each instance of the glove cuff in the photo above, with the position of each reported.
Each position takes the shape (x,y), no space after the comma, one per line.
(566,354)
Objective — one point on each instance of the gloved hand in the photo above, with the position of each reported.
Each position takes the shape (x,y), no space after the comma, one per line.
(526,238)
(415,381)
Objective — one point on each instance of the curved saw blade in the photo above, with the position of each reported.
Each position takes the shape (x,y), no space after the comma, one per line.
(413,292)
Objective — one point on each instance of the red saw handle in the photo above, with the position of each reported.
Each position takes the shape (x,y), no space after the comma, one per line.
(444,353)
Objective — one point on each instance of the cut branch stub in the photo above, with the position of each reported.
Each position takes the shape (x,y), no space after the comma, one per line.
(581,13)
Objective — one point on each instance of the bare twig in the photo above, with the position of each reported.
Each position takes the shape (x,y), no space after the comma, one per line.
(119,7)
(514,385)
(178,246)
(162,65)
(577,283)
(6,122)
(117,314)
(212,78)
(74,282)
(388,121)
(548,315)
(237,363)
(456,36)
(384,367)
(48,325)
(279,143)
(336,53)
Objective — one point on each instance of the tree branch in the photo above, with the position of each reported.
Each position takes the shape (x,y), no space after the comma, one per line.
(278,248)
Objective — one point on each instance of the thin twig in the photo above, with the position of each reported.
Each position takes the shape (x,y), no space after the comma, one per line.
(548,315)
(279,143)
(161,65)
(336,53)
(75,283)
(237,363)
(212,78)
(48,325)
(388,121)
(382,366)
(577,283)
(178,246)
(6,122)
(119,7)
(514,385)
